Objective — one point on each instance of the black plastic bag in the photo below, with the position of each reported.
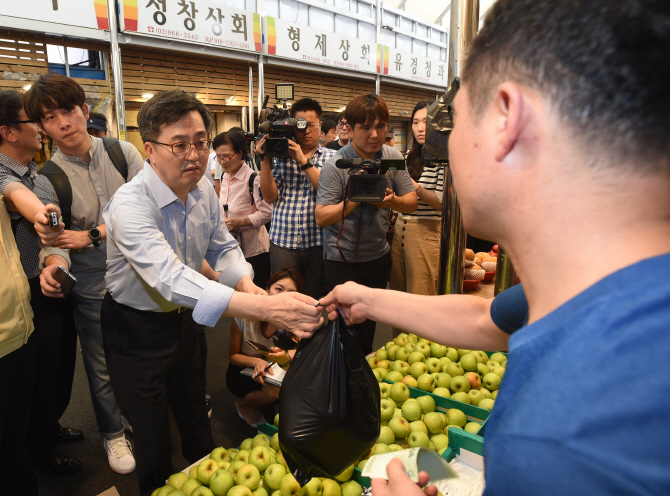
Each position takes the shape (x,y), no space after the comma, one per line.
(329,414)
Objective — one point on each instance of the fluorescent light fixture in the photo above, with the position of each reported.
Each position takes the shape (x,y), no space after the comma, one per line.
(27,86)
(230,99)
(146,96)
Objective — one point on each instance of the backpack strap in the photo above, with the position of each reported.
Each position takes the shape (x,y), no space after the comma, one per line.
(63,189)
(115,152)
(252,178)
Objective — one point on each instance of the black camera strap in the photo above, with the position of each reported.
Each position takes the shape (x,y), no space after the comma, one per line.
(360,230)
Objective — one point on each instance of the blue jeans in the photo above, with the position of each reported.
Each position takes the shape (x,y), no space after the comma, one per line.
(87,317)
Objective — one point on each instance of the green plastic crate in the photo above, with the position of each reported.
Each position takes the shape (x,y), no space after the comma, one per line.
(461,439)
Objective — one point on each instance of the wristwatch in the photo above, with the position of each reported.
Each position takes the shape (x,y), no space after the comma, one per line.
(95,236)
(307,165)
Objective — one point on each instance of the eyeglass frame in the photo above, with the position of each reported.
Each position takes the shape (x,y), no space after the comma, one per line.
(342,125)
(190,145)
(19,122)
(226,157)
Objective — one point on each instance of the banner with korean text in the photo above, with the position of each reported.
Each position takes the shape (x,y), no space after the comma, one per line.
(81,13)
(411,67)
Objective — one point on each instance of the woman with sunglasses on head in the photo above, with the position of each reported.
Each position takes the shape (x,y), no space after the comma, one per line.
(244,210)
(415,251)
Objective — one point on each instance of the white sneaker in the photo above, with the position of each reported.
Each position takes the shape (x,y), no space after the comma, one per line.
(119,454)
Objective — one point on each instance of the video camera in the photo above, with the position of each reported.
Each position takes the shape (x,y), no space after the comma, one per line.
(371,185)
(280,125)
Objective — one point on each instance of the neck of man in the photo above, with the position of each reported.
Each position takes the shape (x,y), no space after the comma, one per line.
(308,151)
(343,142)
(364,155)
(82,151)
(21,155)
(585,233)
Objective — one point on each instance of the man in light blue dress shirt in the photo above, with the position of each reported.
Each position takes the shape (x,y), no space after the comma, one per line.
(160,228)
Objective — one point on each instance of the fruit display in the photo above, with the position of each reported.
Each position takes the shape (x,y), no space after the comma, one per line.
(466,376)
(257,468)
(480,266)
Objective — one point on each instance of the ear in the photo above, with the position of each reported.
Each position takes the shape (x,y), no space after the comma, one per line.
(6,133)
(149,150)
(509,109)
(84,109)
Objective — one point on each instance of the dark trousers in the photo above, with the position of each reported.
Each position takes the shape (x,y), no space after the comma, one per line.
(154,360)
(374,274)
(55,339)
(261,265)
(309,262)
(17,380)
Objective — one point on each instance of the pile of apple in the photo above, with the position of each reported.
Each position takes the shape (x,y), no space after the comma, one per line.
(463,375)
(257,468)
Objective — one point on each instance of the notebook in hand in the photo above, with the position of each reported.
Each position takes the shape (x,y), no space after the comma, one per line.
(275,379)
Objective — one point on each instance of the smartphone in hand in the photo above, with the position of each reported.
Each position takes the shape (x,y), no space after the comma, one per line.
(65,279)
(258,346)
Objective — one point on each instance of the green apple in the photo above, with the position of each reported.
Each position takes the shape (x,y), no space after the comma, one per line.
(411,410)
(463,352)
(165,490)
(482,369)
(242,455)
(418,439)
(417,369)
(494,394)
(380,354)
(393,376)
(260,457)
(443,380)
(462,397)
(314,487)
(400,366)
(332,488)
(281,460)
(189,486)
(434,422)
(220,482)
(456,417)
(193,472)
(274,442)
(441,391)
(384,365)
(438,350)
(424,340)
(395,447)
(415,357)
(431,446)
(372,361)
(177,480)
(460,384)
(388,345)
(386,408)
(246,444)
(351,488)
(218,454)
(361,465)
(423,348)
(235,466)
(454,369)
(468,362)
(276,421)
(402,354)
(434,365)
(491,381)
(390,352)
(397,413)
(384,389)
(485,392)
(399,392)
(276,493)
(486,404)
(498,357)
(401,339)
(427,403)
(290,487)
(273,476)
(472,427)
(260,491)
(380,449)
(491,364)
(418,426)
(378,375)
(475,396)
(240,491)
(474,380)
(412,338)
(231,453)
(440,440)
(409,381)
(346,474)
(481,356)
(425,382)
(386,435)
(452,354)
(205,470)
(400,427)
(445,361)
(500,371)
(392,402)
(410,347)
(203,491)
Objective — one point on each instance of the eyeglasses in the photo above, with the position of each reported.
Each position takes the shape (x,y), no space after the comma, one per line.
(20,122)
(181,148)
(342,124)
(224,158)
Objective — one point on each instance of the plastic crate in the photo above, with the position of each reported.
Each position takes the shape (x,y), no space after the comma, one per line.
(461,439)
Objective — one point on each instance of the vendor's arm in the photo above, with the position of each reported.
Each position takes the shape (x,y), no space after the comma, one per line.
(267,182)
(461,321)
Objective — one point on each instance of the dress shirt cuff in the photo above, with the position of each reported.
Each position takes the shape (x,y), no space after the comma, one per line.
(212,303)
(47,251)
(232,274)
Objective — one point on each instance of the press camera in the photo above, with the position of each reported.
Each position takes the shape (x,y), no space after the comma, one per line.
(366,177)
(279,125)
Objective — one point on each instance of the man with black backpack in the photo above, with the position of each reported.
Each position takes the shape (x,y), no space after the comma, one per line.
(84,173)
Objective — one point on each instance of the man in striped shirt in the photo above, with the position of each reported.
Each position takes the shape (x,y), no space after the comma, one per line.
(291,184)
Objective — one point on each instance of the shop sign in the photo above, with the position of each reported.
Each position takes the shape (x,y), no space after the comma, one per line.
(80,13)
(312,45)
(199,21)
(409,66)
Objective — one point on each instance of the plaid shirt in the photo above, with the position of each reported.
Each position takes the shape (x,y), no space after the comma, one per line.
(293,222)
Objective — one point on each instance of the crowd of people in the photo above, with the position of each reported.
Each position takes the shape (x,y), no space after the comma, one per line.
(559,150)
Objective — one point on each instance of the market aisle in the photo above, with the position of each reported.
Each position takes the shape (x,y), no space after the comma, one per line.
(95,475)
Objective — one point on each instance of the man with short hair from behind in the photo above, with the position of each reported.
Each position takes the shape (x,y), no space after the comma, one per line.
(290,184)
(561,146)
(59,104)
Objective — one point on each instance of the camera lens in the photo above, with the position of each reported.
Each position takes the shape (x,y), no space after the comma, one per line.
(367,188)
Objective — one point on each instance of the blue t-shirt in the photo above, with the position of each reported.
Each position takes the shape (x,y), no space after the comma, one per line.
(509,310)
(585,404)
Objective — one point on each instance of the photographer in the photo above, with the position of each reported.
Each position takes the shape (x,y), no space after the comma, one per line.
(355,246)
(290,183)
